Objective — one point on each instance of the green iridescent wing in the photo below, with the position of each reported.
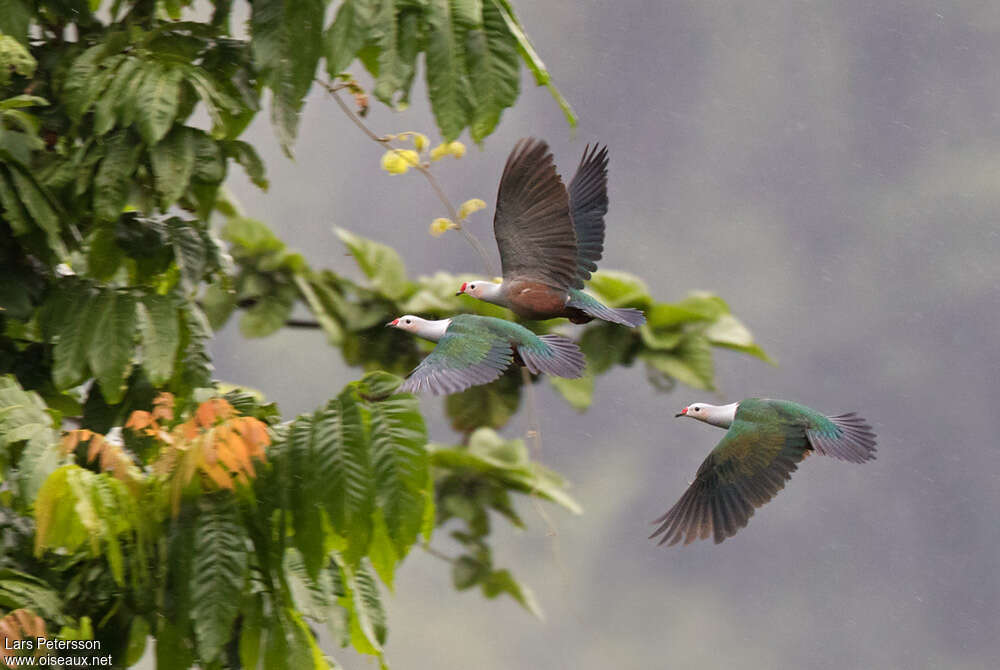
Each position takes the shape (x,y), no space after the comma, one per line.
(747,468)
(460,360)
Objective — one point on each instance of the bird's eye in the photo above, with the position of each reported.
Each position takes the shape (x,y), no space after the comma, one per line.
(472,286)
(696,409)
(407,321)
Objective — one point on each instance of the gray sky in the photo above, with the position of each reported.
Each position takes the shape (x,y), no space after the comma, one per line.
(833,171)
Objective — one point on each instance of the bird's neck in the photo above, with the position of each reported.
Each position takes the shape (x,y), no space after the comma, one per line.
(721,415)
(433,330)
(494,294)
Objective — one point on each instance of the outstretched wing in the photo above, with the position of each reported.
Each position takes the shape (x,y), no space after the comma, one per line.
(588,203)
(532,224)
(459,361)
(747,468)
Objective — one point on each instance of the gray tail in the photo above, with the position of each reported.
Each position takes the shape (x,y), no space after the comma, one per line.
(560,357)
(856,442)
(625,316)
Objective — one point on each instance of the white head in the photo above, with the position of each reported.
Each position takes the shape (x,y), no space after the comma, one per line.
(429,330)
(715,415)
(482,290)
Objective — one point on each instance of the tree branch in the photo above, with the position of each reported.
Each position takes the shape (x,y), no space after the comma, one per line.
(423,168)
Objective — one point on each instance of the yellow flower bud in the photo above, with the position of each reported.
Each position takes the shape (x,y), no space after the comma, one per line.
(456,149)
(470,206)
(439,152)
(393,163)
(420,141)
(441,225)
(398,161)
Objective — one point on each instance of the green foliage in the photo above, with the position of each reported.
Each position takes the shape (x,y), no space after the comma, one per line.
(675,344)
(473,53)
(219,570)
(474,479)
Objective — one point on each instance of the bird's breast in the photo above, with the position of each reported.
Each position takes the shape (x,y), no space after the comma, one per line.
(533,300)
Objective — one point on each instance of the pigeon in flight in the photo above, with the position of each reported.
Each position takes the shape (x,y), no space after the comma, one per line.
(550,239)
(765,441)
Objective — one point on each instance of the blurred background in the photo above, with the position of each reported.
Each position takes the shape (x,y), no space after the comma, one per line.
(833,171)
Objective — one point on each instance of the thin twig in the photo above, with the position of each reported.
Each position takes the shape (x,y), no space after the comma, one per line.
(437,554)
(334,91)
(534,436)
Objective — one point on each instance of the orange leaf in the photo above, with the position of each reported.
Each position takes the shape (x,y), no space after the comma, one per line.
(139,419)
(218,475)
(163,406)
(98,445)
(73,438)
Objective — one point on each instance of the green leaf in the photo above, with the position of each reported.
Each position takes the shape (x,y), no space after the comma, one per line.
(23,418)
(118,96)
(138,636)
(380,263)
(15,17)
(306,495)
(367,616)
(251,635)
(246,155)
(447,80)
(690,363)
(382,551)
(494,71)
(23,100)
(21,590)
(219,573)
(347,33)
(189,251)
(75,320)
(114,176)
(332,328)
(38,204)
(14,212)
(84,82)
(209,163)
(489,405)
(268,315)
(194,367)
(290,644)
(157,101)
(394,33)
(173,651)
(77,507)
(502,581)
(368,606)
(104,256)
(218,303)
(343,463)
(466,572)
(287,42)
(215,96)
(254,236)
(113,342)
(160,328)
(399,459)
(532,59)
(728,331)
(173,162)
(506,462)
(619,289)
